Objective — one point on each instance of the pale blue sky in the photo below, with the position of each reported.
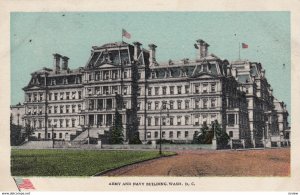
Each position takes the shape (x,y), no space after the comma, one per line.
(36,36)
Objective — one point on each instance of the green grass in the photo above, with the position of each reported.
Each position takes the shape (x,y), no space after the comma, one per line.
(73,162)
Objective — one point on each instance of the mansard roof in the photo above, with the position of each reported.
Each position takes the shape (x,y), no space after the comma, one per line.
(111,45)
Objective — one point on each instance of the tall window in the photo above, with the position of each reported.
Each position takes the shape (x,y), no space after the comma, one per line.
(61,121)
(179,105)
(186,120)
(55,109)
(187,89)
(178,120)
(67,108)
(79,94)
(171,121)
(197,89)
(213,87)
(179,89)
(171,134)
(156,89)
(61,95)
(205,103)
(41,96)
(106,75)
(73,108)
(55,96)
(73,95)
(73,122)
(156,105)
(213,103)
(171,105)
(156,121)
(149,105)
(67,95)
(164,90)
(67,122)
(164,121)
(171,90)
(149,121)
(150,91)
(187,104)
(204,89)
(178,134)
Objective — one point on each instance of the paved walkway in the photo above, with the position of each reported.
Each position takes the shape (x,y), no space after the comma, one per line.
(272,162)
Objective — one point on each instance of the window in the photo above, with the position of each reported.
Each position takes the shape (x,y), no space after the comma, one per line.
(67,95)
(115,89)
(213,103)
(197,120)
(61,121)
(61,96)
(114,74)
(179,89)
(156,105)
(171,121)
(55,109)
(53,82)
(139,106)
(156,121)
(73,95)
(97,76)
(139,91)
(148,134)
(89,77)
(55,123)
(49,135)
(41,96)
(230,134)
(106,75)
(197,87)
(125,90)
(205,103)
(172,90)
(67,108)
(49,109)
(178,120)
(73,108)
(79,94)
(231,119)
(164,121)
(204,89)
(54,135)
(150,91)
(55,96)
(187,89)
(164,90)
(156,89)
(187,104)
(171,134)
(79,107)
(49,123)
(213,87)
(186,134)
(34,97)
(179,105)
(97,90)
(149,121)
(163,134)
(125,75)
(60,135)
(186,120)
(171,105)
(73,122)
(67,122)
(156,134)
(178,134)
(29,97)
(65,81)
(50,96)
(149,105)
(105,90)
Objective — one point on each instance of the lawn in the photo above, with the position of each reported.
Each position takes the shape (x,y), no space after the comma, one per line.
(73,162)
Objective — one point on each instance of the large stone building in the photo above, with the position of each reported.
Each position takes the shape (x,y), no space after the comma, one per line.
(178,96)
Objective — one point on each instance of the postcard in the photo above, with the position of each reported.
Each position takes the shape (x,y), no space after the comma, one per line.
(164,96)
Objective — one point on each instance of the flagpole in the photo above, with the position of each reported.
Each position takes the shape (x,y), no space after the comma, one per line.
(17,184)
(239,51)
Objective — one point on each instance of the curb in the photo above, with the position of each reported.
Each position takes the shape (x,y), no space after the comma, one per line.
(112,169)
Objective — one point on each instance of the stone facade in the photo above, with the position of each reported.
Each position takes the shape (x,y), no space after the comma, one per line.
(178,96)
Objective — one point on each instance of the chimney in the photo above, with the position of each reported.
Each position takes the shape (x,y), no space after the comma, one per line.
(234,72)
(56,63)
(137,50)
(152,58)
(202,48)
(65,60)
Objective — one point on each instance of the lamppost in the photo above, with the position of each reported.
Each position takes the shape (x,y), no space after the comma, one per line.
(52,137)
(163,107)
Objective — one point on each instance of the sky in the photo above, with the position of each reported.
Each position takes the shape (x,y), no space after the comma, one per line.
(36,36)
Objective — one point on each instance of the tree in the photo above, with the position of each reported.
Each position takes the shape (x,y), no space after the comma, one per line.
(135,139)
(28,131)
(116,131)
(205,135)
(15,133)
(222,137)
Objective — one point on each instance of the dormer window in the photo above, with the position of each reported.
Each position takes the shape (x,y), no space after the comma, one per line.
(106,75)
(77,80)
(53,81)
(65,81)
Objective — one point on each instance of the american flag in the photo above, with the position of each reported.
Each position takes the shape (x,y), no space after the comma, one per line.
(24,183)
(126,34)
(244,46)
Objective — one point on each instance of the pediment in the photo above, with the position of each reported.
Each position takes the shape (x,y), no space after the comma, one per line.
(205,75)
(106,66)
